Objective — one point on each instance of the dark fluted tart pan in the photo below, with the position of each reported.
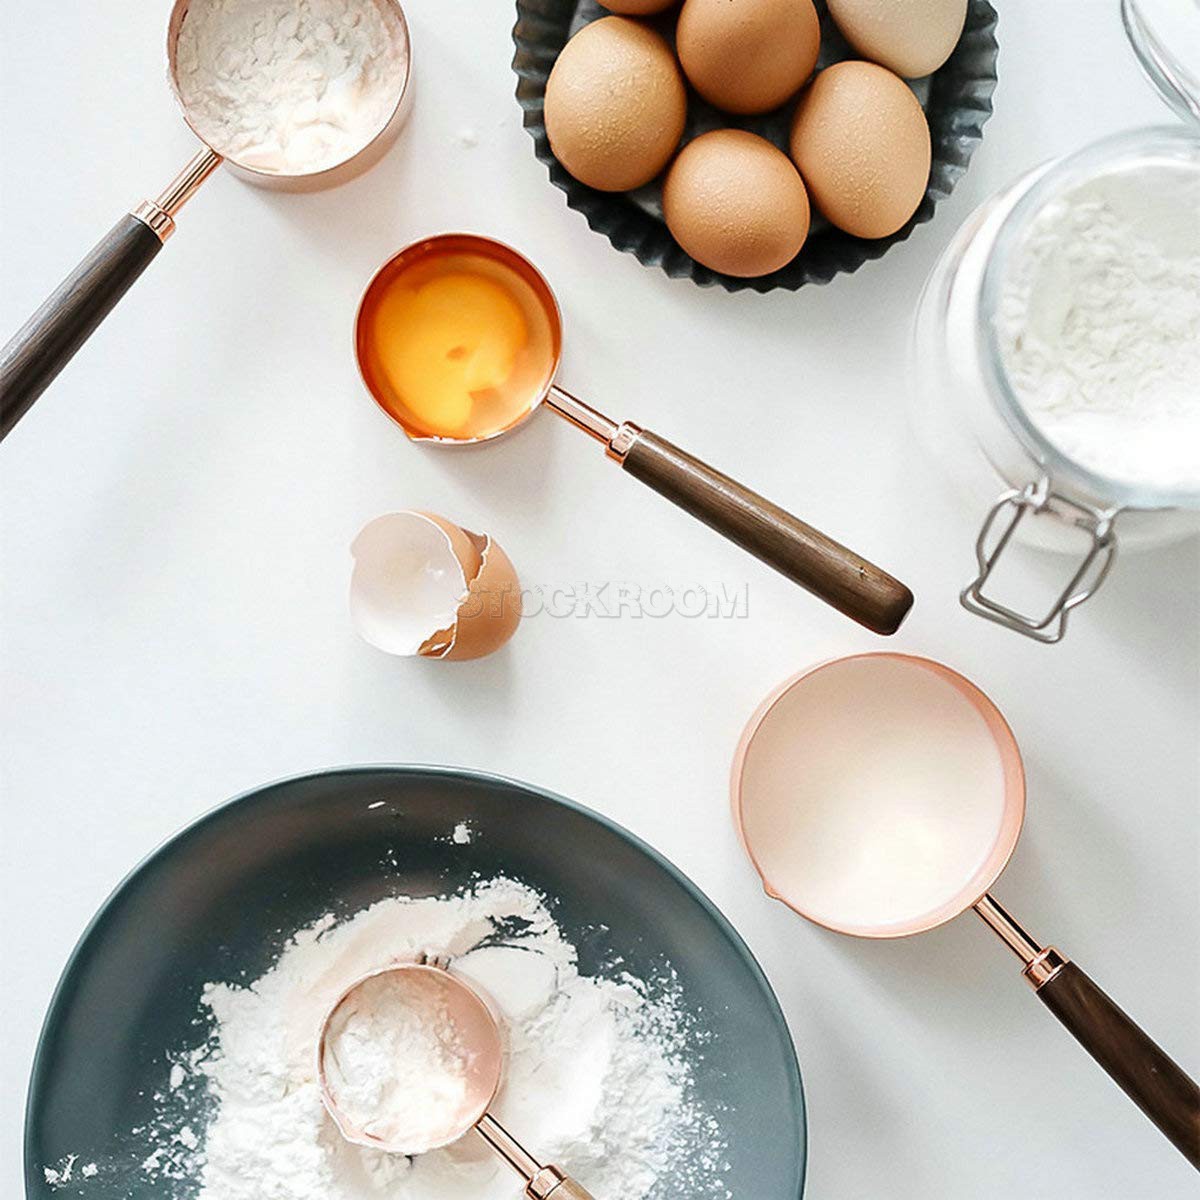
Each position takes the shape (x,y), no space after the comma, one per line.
(957,99)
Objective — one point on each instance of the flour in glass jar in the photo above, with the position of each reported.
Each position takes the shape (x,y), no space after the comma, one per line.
(1098,323)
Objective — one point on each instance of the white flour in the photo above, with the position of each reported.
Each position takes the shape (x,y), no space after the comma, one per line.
(1099,324)
(290,86)
(597,1072)
(395,1061)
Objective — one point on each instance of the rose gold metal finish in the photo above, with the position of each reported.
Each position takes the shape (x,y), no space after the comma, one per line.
(159,214)
(582,416)
(1014,798)
(1045,967)
(513,260)
(544,1183)
(151,215)
(481,1032)
(1132,1060)
(183,187)
(361,159)
(508,1148)
(1042,963)
(622,443)
(476,1018)
(616,438)
(1009,932)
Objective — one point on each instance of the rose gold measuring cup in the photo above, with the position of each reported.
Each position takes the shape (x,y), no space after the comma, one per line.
(50,338)
(428,985)
(879,696)
(817,563)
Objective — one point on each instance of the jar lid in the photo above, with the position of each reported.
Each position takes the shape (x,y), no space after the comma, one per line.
(1165,35)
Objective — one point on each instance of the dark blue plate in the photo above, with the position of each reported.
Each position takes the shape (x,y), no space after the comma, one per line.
(219,900)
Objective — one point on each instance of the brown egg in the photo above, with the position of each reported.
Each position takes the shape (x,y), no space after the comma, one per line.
(911,37)
(748,56)
(861,142)
(615,104)
(638,8)
(735,203)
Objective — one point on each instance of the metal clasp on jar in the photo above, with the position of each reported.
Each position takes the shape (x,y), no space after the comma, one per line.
(1038,499)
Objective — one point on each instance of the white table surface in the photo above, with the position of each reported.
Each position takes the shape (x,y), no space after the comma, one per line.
(176,514)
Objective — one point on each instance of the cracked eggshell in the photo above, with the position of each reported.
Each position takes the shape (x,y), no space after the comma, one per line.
(424,587)
(490,614)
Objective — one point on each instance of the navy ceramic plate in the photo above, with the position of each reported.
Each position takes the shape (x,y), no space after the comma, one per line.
(957,99)
(220,898)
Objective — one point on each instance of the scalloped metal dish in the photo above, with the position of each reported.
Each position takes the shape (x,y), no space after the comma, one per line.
(957,99)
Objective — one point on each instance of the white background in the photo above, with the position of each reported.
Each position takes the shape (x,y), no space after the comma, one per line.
(176,514)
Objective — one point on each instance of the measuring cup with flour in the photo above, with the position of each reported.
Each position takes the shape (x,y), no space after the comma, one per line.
(293,96)
(409,1060)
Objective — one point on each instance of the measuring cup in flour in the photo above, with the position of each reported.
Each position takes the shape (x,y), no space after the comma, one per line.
(409,1060)
(310,103)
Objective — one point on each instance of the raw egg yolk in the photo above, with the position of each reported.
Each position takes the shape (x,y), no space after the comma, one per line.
(449,343)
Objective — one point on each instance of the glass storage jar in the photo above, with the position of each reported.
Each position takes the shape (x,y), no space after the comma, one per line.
(967,413)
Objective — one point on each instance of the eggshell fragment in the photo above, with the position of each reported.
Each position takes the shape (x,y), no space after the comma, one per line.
(861,142)
(748,56)
(736,204)
(422,586)
(637,8)
(911,37)
(491,612)
(615,104)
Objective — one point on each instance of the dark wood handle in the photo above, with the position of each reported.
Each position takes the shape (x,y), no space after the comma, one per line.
(49,339)
(838,576)
(1147,1076)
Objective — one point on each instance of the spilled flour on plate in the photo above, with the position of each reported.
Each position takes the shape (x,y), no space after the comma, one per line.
(68,1170)
(598,1073)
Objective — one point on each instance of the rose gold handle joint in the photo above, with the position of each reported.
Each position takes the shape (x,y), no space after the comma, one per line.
(1042,963)
(160,222)
(1044,967)
(622,441)
(543,1183)
(159,214)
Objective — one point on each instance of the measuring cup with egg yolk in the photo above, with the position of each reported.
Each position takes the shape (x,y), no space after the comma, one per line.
(454,343)
(459,339)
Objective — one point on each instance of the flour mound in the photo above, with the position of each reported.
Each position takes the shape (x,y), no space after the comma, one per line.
(598,1072)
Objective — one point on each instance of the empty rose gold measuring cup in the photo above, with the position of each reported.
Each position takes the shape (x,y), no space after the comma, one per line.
(882,795)
(50,338)
(466,1024)
(824,567)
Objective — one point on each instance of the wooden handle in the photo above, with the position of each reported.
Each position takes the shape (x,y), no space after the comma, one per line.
(1147,1076)
(49,339)
(838,576)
